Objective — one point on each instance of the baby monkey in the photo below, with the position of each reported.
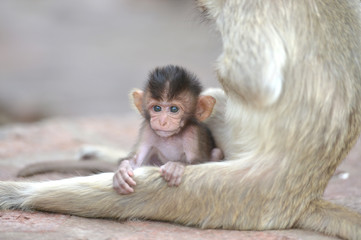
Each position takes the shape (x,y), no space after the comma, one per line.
(172,134)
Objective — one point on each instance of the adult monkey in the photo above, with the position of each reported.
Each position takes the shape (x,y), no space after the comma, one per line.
(291,71)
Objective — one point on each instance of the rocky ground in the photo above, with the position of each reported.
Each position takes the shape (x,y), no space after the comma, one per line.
(59,139)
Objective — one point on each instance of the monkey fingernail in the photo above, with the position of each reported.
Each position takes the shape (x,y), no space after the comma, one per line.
(127,191)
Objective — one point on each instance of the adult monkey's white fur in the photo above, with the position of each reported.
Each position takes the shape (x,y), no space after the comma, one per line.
(292,74)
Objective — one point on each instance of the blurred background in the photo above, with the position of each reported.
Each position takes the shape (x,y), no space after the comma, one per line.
(82,57)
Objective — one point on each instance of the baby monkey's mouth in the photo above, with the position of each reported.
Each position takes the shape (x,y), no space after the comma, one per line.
(165,134)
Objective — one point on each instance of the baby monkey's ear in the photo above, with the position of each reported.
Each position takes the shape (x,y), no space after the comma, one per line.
(136,96)
(205,107)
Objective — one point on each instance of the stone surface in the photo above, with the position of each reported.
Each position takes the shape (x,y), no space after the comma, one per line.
(59,139)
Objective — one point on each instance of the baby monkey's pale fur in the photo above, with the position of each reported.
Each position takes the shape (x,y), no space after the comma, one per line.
(292,77)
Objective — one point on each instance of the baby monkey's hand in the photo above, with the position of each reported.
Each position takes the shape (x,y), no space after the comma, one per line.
(123,181)
(172,172)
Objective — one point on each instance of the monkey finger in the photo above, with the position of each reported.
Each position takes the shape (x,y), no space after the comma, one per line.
(126,175)
(178,171)
(178,181)
(130,172)
(162,171)
(124,190)
(167,172)
(166,176)
(176,176)
(121,186)
(165,168)
(129,180)
(172,181)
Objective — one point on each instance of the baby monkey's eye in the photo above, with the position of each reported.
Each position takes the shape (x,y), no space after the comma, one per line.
(174,109)
(157,108)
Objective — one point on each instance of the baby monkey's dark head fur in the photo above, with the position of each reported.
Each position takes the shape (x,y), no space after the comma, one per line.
(172,80)
(171,99)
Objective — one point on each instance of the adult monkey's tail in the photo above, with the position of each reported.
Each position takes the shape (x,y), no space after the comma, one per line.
(63,196)
(90,196)
(201,200)
(93,196)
